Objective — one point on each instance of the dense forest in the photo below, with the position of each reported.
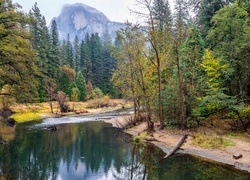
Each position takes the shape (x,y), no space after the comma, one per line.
(178,67)
(36,64)
(184,66)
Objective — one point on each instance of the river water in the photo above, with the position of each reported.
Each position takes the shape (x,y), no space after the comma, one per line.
(84,147)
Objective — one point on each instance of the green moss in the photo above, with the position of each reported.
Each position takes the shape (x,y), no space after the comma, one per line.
(26,117)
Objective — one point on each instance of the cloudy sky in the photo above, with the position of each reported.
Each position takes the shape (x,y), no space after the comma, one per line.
(115,10)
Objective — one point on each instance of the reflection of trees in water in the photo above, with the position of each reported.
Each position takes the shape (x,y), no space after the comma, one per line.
(6,133)
(143,163)
(38,154)
(95,148)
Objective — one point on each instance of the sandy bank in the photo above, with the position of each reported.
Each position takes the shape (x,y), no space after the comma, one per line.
(167,140)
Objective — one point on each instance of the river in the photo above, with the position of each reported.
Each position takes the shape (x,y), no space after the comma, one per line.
(85,147)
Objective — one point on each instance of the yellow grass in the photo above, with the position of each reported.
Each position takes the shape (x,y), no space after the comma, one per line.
(213,141)
(26,117)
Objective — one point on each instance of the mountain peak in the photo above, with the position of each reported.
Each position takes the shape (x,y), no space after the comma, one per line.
(80,19)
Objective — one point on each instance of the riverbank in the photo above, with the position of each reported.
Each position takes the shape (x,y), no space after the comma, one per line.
(168,138)
(38,111)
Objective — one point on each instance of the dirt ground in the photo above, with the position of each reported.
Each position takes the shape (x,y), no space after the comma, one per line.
(168,138)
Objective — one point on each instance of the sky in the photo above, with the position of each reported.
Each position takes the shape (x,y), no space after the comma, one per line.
(115,10)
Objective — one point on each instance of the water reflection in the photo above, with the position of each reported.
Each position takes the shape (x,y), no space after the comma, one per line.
(95,150)
(7,133)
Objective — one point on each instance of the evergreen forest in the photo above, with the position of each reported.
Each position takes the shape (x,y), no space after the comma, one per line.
(179,66)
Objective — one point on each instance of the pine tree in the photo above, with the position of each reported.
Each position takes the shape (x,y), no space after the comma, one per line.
(85,61)
(207,10)
(39,39)
(180,33)
(56,51)
(76,54)
(41,42)
(191,53)
(74,92)
(81,84)
(96,58)
(69,53)
(109,65)
(162,13)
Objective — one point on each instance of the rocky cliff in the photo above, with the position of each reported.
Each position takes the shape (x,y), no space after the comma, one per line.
(79,19)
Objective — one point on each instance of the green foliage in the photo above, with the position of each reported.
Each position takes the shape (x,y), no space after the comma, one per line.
(55,58)
(74,92)
(162,13)
(17,58)
(74,96)
(95,94)
(214,70)
(140,137)
(207,10)
(171,108)
(229,37)
(215,97)
(81,84)
(6,100)
(68,75)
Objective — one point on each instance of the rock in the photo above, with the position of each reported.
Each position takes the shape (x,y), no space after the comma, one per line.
(79,19)
(80,111)
(51,128)
(10,122)
(237,156)
(2,142)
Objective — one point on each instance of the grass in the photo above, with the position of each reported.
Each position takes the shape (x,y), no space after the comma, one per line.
(138,138)
(205,141)
(244,136)
(26,117)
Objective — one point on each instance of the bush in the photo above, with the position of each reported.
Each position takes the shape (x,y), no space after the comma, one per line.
(62,100)
(95,94)
(99,103)
(138,138)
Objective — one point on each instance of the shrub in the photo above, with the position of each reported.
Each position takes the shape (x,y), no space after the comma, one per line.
(62,100)
(95,94)
(138,138)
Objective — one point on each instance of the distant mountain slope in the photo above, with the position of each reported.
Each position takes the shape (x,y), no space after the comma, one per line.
(79,19)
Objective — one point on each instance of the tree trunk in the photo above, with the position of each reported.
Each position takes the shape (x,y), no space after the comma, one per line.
(177,146)
(51,106)
(181,94)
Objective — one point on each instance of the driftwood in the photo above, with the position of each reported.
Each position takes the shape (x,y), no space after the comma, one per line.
(237,156)
(177,146)
(3,142)
(51,128)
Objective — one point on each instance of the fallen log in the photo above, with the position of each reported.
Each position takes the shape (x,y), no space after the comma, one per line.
(237,156)
(177,146)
